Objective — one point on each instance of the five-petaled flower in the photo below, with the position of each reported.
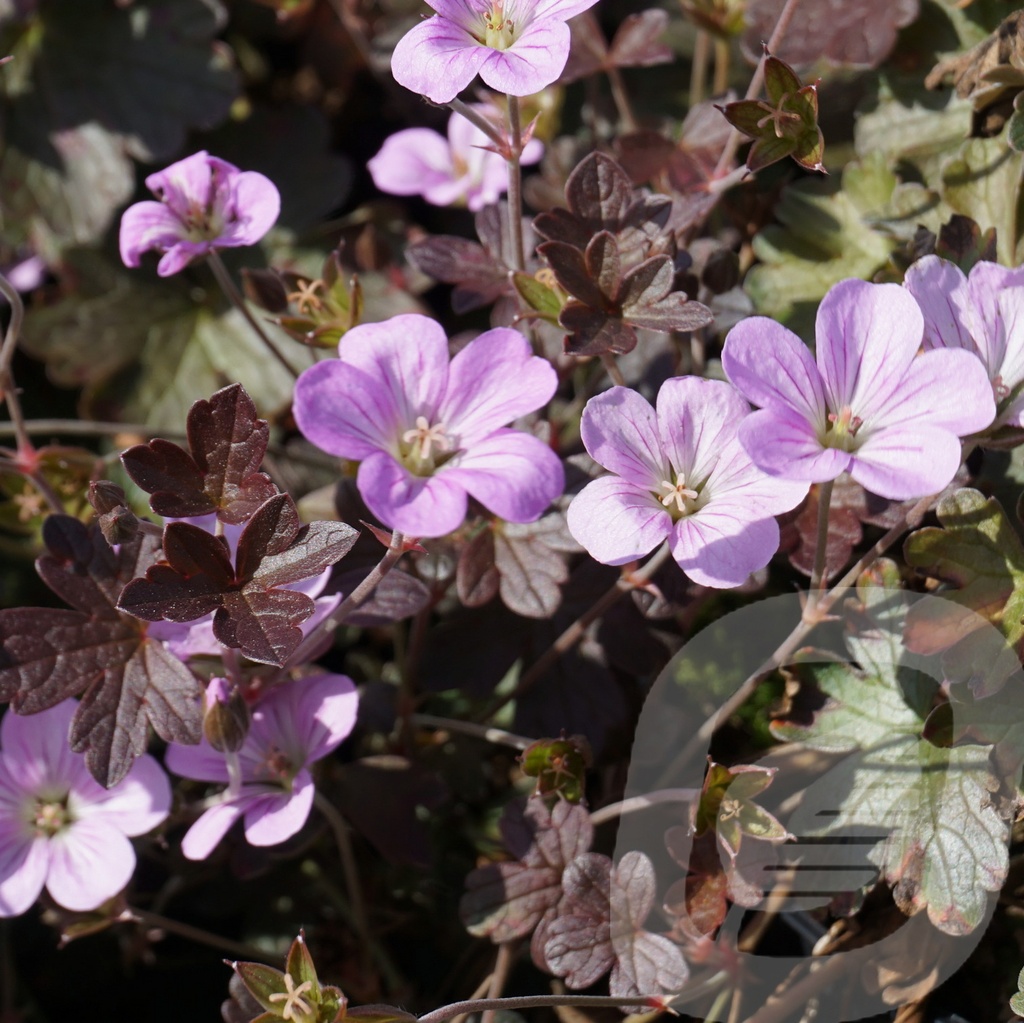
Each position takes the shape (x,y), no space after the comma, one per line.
(983,314)
(680,475)
(293,726)
(205,204)
(428,432)
(517,47)
(58,826)
(870,405)
(419,161)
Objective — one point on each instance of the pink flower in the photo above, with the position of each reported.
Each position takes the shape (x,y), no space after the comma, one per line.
(516,46)
(679,474)
(293,726)
(58,826)
(983,314)
(418,161)
(870,406)
(205,204)
(429,433)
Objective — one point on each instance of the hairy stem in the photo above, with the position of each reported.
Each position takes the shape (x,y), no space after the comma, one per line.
(515,183)
(818,571)
(474,116)
(699,67)
(502,966)
(496,735)
(635,803)
(699,741)
(721,82)
(574,633)
(234,296)
(612,368)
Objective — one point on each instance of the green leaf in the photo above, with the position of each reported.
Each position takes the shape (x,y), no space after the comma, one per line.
(1017,1001)
(559,765)
(978,551)
(825,234)
(945,845)
(982,182)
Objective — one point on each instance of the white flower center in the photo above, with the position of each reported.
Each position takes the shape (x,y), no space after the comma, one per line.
(683,497)
(295,1007)
(841,432)
(49,816)
(499,28)
(425,447)
(277,768)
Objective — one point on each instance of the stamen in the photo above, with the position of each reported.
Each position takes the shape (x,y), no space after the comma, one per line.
(292,998)
(424,438)
(678,493)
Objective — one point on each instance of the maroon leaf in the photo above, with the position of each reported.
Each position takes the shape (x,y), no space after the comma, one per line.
(799,528)
(504,901)
(592,332)
(579,945)
(397,596)
(636,44)
(252,613)
(126,681)
(477,577)
(219,473)
(530,560)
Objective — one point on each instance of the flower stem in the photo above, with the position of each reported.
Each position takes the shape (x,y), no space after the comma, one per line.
(234,296)
(502,967)
(612,367)
(515,183)
(634,803)
(349,867)
(447,1012)
(699,67)
(198,935)
(700,739)
(477,119)
(574,633)
(721,80)
(621,97)
(756,81)
(496,735)
(311,643)
(819,570)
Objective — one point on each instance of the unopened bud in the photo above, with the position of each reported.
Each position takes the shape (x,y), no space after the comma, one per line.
(117,521)
(227,717)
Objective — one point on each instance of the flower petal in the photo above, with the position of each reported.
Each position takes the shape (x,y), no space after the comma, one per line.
(1010,316)
(201,763)
(946,388)
(511,473)
(134,806)
(620,431)
(720,546)
(413,161)
(179,255)
(203,837)
(906,462)
(148,225)
(437,59)
(696,419)
(252,210)
(531,63)
(34,748)
(771,367)
(496,378)
(616,521)
(942,292)
(188,183)
(423,506)
(866,336)
(781,442)
(275,817)
(24,862)
(563,10)
(736,478)
(90,862)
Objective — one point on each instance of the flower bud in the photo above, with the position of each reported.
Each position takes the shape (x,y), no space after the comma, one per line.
(226,721)
(117,521)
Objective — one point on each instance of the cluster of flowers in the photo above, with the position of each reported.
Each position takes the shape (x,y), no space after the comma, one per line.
(701,469)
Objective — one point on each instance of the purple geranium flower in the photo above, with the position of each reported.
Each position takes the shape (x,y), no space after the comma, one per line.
(58,826)
(419,161)
(681,475)
(871,406)
(516,46)
(293,726)
(428,432)
(205,204)
(983,314)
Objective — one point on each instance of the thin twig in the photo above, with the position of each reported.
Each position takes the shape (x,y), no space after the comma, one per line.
(612,368)
(220,271)
(447,1012)
(233,948)
(574,633)
(644,802)
(496,735)
(349,868)
(621,98)
(502,966)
